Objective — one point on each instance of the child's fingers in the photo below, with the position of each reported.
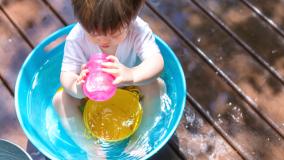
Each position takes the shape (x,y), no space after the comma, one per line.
(80,81)
(80,78)
(117,81)
(84,71)
(113,58)
(84,66)
(83,75)
(110,71)
(110,65)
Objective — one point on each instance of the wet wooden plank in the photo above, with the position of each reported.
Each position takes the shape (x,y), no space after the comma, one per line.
(64,9)
(251,29)
(184,137)
(272,9)
(165,152)
(13,50)
(37,23)
(197,139)
(32,17)
(193,131)
(264,17)
(249,134)
(256,84)
(10,127)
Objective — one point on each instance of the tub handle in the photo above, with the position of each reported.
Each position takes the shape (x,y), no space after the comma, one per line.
(46,43)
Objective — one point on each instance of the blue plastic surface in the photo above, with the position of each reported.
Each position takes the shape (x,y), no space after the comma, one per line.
(38,80)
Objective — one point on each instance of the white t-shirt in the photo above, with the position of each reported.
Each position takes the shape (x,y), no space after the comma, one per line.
(138,45)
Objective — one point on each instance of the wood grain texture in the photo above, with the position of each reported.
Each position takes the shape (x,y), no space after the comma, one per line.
(13,50)
(273,9)
(250,77)
(9,124)
(11,58)
(245,128)
(260,85)
(32,17)
(31,22)
(191,136)
(251,29)
(64,9)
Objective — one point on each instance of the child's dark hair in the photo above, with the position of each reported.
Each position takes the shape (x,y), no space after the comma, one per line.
(105,16)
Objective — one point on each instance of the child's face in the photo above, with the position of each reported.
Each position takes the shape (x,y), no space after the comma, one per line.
(109,40)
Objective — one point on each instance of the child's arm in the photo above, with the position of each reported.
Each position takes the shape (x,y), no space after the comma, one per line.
(73,58)
(72,83)
(148,70)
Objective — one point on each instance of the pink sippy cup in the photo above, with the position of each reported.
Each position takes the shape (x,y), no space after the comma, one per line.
(98,84)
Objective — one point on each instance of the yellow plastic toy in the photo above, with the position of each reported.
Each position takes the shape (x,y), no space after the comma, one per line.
(115,119)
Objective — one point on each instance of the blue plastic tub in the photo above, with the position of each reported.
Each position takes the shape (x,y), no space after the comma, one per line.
(38,80)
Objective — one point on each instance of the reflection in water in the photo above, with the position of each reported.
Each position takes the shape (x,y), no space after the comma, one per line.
(72,142)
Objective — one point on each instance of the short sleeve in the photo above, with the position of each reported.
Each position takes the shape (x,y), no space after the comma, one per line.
(73,57)
(144,43)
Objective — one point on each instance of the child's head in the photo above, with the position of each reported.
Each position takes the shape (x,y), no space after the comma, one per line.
(106,17)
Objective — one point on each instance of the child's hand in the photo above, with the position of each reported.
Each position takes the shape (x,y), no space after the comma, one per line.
(81,78)
(122,74)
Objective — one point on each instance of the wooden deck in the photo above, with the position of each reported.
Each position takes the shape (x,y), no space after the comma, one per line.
(232,53)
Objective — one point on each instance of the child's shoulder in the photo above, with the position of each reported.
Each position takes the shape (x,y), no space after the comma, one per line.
(76,34)
(139,29)
(139,25)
